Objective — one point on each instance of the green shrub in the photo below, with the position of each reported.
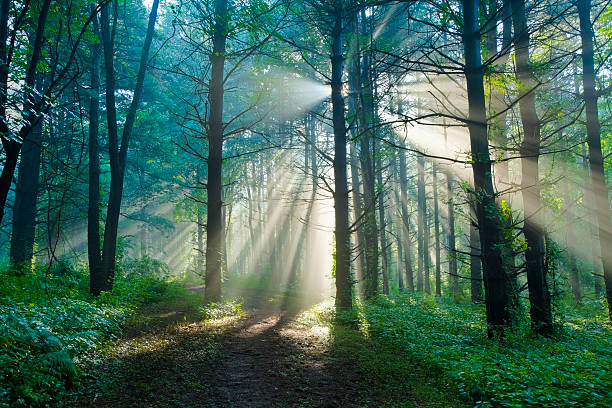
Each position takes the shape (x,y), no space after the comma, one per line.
(48,319)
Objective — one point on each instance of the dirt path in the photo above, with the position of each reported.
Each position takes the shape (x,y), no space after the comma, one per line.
(259,360)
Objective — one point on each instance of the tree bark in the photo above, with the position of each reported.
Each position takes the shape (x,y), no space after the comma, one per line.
(533,230)
(405,220)
(96,278)
(343,278)
(118,154)
(26,198)
(596,160)
(214,222)
(12,144)
(491,238)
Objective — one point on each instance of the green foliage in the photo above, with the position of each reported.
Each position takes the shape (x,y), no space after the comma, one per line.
(45,327)
(447,341)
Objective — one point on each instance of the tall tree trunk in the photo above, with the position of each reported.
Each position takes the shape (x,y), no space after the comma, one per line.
(341,208)
(383,238)
(399,226)
(421,221)
(437,230)
(596,161)
(491,237)
(533,230)
(367,170)
(118,154)
(360,261)
(26,198)
(12,145)
(96,278)
(357,198)
(214,221)
(452,253)
(405,220)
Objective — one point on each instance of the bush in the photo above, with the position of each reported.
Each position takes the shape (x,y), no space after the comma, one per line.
(48,319)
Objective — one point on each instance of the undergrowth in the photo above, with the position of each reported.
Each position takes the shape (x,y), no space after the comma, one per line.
(48,319)
(445,344)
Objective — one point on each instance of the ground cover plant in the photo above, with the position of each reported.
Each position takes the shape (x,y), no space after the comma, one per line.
(443,342)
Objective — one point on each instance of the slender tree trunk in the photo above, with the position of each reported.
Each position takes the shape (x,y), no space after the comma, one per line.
(405,220)
(357,198)
(452,253)
(596,160)
(214,222)
(533,230)
(383,237)
(96,278)
(366,156)
(398,224)
(118,155)
(343,262)
(437,230)
(26,198)
(491,238)
(421,221)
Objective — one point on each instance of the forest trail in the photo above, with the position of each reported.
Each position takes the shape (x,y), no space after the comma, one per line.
(262,359)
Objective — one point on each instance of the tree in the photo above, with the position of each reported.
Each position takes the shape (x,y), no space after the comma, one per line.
(491,237)
(117,153)
(593,128)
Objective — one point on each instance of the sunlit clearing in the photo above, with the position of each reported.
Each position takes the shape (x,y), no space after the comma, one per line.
(286,247)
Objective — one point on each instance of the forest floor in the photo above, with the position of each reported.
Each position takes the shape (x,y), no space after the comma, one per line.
(169,357)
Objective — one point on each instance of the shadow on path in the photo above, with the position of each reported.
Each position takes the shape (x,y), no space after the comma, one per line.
(259,360)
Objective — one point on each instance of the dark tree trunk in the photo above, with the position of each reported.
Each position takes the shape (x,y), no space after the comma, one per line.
(118,155)
(475,263)
(366,159)
(214,222)
(357,198)
(12,146)
(539,296)
(596,161)
(96,278)
(405,220)
(343,262)
(26,198)
(491,237)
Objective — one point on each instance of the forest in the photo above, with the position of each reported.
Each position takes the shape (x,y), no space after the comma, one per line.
(313,203)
